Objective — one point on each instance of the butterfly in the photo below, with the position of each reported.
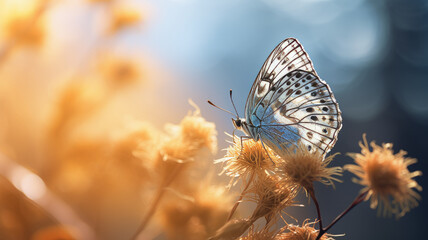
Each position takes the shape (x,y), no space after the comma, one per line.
(289,104)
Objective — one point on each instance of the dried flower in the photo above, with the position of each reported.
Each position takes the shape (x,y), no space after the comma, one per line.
(78,100)
(197,130)
(123,17)
(303,167)
(386,178)
(26,30)
(304,232)
(185,142)
(193,134)
(272,194)
(119,71)
(198,215)
(248,159)
(138,147)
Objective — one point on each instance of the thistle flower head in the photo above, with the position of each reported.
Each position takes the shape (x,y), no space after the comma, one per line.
(303,167)
(272,194)
(186,142)
(138,146)
(386,178)
(304,232)
(197,130)
(247,159)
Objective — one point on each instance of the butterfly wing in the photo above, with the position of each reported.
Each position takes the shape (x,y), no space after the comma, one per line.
(288,102)
(289,55)
(300,107)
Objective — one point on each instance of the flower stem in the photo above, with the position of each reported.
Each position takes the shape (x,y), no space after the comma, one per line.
(156,200)
(240,197)
(151,212)
(311,191)
(356,201)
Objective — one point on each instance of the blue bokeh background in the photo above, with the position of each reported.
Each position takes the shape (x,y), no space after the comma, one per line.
(373,54)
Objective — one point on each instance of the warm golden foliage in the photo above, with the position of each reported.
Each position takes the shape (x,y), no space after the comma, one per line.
(304,232)
(385,176)
(303,167)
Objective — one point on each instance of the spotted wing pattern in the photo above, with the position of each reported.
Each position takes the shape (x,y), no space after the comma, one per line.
(290,103)
(301,107)
(289,55)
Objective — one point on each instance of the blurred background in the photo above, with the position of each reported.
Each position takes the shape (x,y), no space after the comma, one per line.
(77,77)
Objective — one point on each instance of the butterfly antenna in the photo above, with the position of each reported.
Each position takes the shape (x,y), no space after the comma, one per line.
(231,99)
(212,104)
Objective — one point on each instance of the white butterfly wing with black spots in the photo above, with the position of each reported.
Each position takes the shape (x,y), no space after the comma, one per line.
(303,104)
(289,55)
(290,103)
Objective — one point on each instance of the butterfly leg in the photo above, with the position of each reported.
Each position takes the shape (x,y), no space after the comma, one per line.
(242,144)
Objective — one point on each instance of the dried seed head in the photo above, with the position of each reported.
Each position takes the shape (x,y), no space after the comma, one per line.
(304,232)
(386,178)
(247,159)
(193,134)
(303,167)
(272,194)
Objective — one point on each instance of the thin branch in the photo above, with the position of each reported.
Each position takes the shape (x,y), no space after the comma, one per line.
(356,201)
(154,206)
(311,191)
(149,215)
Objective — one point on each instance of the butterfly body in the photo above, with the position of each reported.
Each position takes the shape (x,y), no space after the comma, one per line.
(289,104)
